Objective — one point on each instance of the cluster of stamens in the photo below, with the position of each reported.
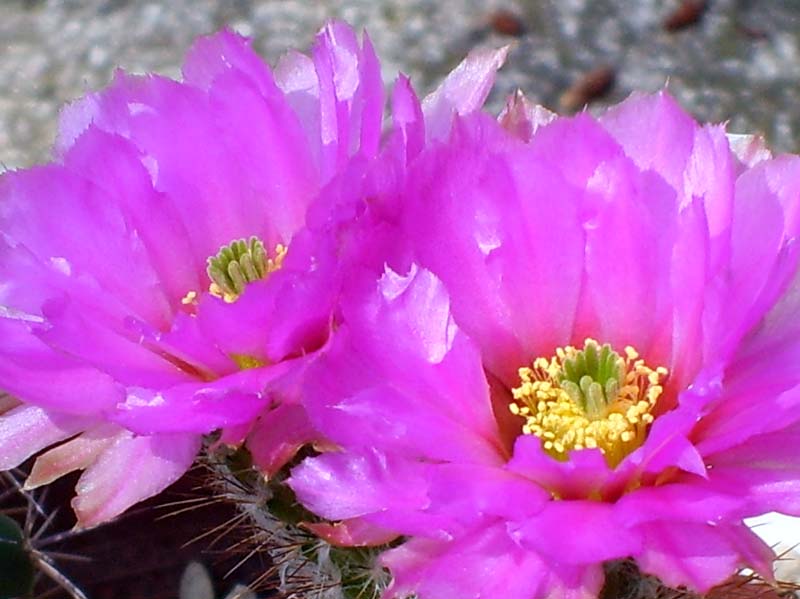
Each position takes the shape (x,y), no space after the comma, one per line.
(239,263)
(589,398)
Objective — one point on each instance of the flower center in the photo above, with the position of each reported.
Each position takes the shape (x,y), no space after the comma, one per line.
(588,398)
(238,263)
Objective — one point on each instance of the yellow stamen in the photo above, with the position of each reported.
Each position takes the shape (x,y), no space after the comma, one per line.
(588,398)
(189,298)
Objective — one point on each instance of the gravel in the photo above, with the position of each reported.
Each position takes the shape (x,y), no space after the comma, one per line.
(740,62)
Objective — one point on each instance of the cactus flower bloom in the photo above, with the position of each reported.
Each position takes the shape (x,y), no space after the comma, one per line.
(593,355)
(160,279)
(154,281)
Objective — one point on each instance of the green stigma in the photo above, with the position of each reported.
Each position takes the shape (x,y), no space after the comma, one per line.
(593,376)
(239,263)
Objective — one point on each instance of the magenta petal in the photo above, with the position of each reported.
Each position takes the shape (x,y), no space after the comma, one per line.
(278,435)
(630,225)
(756,239)
(668,446)
(689,273)
(31,370)
(350,96)
(199,407)
(696,555)
(596,533)
(692,501)
(485,563)
(77,236)
(585,473)
(471,493)
(407,120)
(123,176)
(26,429)
(258,129)
(405,334)
(130,470)
(764,470)
(72,331)
(338,486)
(463,91)
(695,161)
(475,217)
(187,408)
(220,53)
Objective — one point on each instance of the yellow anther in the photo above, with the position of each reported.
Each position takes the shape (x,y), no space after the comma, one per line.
(614,417)
(189,298)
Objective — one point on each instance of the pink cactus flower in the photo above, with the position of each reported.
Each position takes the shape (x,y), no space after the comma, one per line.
(592,354)
(159,281)
(154,281)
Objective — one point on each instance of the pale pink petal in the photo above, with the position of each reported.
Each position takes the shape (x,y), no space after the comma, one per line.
(130,470)
(522,118)
(407,119)
(463,91)
(749,149)
(76,454)
(27,429)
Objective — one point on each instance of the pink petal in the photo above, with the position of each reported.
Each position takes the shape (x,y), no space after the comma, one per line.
(407,119)
(522,118)
(340,486)
(76,454)
(596,533)
(764,470)
(475,215)
(632,227)
(694,161)
(463,91)
(350,96)
(131,470)
(697,555)
(278,435)
(198,407)
(749,149)
(690,501)
(484,563)
(36,373)
(26,429)
(221,53)
(585,474)
(78,237)
(403,332)
(123,176)
(351,533)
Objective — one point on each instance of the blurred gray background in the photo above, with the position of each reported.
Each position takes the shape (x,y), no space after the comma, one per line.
(735,60)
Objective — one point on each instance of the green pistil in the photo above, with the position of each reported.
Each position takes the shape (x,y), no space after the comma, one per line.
(236,264)
(593,377)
